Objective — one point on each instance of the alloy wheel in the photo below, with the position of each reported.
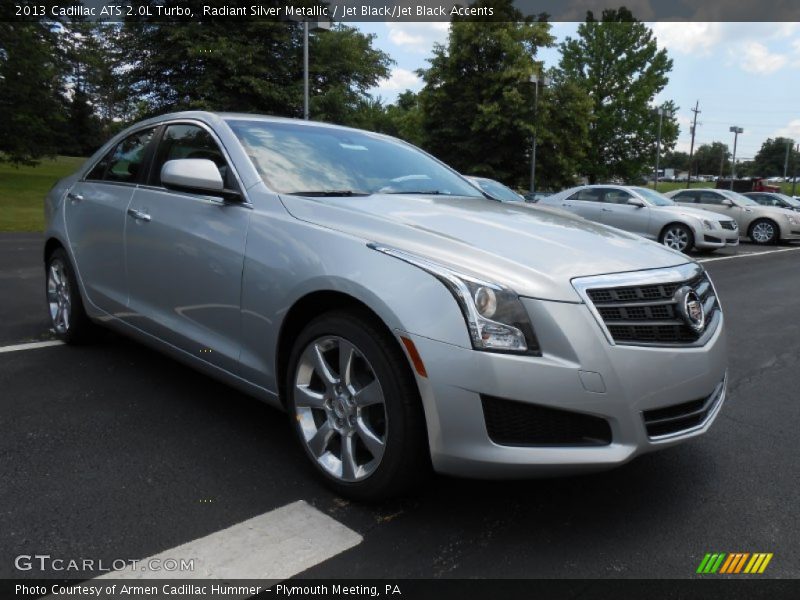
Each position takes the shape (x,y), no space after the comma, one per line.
(676,238)
(763,232)
(340,409)
(58,296)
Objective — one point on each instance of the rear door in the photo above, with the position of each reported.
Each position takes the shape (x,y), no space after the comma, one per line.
(585,202)
(185,254)
(688,197)
(95,219)
(618,213)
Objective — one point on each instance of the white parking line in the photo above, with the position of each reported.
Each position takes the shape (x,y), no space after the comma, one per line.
(704,260)
(31,346)
(276,545)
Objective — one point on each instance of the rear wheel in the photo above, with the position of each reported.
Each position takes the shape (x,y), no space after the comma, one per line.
(68,318)
(764,232)
(355,407)
(678,237)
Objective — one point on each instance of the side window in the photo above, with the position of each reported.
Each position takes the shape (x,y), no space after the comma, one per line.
(614,196)
(190,141)
(710,198)
(684,197)
(126,161)
(587,195)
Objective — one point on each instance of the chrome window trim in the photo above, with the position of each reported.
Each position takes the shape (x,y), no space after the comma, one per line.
(676,274)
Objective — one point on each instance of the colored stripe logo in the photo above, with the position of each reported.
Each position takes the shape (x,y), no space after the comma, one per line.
(734,563)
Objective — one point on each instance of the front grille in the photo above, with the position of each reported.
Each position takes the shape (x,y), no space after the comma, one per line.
(682,417)
(648,314)
(511,423)
(730,225)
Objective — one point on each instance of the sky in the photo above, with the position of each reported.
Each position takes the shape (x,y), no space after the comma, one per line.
(743,74)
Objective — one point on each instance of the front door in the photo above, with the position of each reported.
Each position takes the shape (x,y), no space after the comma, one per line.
(185,255)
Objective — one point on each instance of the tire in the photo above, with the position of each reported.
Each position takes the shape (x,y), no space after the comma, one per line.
(764,232)
(677,237)
(68,318)
(373,413)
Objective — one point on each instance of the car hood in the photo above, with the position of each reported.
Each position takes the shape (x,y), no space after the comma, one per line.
(697,213)
(534,252)
(771,210)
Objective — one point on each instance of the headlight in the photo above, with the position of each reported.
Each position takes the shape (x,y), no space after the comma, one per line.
(791,218)
(708,224)
(495,317)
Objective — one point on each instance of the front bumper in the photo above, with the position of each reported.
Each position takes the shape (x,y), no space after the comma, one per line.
(790,232)
(580,372)
(709,239)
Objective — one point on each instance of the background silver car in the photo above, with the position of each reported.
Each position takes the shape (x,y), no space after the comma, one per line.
(774,199)
(649,214)
(762,224)
(395,314)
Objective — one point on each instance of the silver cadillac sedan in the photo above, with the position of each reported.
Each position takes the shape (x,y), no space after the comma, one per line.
(650,214)
(400,318)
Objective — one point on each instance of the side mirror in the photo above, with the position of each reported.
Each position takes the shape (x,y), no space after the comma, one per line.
(635,202)
(196,175)
(727,202)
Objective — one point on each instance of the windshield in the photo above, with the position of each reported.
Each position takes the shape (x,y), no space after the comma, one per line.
(654,197)
(789,200)
(497,190)
(305,159)
(742,200)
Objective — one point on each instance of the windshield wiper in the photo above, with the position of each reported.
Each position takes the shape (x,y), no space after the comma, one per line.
(329,193)
(423,192)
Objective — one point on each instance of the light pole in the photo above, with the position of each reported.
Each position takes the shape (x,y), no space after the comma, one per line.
(735,131)
(535,81)
(662,112)
(307,27)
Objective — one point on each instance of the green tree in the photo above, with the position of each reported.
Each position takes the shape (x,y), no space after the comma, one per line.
(247,65)
(404,119)
(32,106)
(564,120)
(477,106)
(617,62)
(675,160)
(712,159)
(770,159)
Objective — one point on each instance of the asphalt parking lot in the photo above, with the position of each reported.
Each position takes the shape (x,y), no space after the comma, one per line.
(114,451)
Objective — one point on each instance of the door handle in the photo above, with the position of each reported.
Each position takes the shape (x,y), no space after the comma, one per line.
(74,198)
(139,215)
(606,210)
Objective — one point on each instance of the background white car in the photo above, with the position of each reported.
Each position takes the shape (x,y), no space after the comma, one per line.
(650,214)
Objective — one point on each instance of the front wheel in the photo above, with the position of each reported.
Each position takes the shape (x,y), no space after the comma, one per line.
(355,407)
(764,232)
(678,237)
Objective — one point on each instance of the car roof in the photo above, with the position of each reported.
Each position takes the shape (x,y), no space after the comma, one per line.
(217,117)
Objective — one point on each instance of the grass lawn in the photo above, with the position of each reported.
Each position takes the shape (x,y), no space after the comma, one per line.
(22,191)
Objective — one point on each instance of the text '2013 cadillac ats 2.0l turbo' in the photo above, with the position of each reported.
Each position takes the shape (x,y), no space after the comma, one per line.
(399,316)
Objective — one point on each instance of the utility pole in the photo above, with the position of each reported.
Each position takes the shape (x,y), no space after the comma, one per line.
(662,112)
(696,110)
(786,160)
(794,169)
(544,80)
(735,131)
